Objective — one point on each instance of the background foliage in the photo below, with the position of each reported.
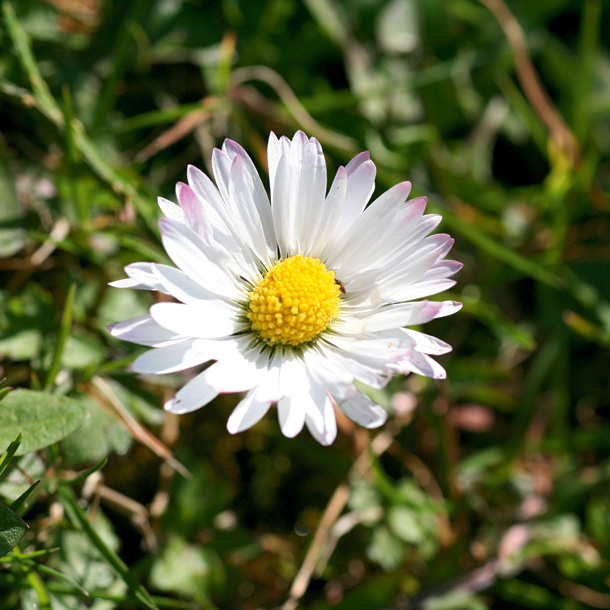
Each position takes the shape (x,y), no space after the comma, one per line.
(489,490)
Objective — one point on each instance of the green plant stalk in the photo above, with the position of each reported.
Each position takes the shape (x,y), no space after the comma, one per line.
(588,49)
(24,53)
(73,157)
(525,112)
(120,57)
(47,105)
(62,337)
(538,373)
(20,505)
(79,517)
(166,115)
(27,562)
(33,555)
(124,600)
(84,475)
(44,599)
(8,455)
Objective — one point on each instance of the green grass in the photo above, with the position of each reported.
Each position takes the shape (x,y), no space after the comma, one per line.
(492,492)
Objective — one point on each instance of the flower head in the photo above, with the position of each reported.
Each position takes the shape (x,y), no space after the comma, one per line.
(295,297)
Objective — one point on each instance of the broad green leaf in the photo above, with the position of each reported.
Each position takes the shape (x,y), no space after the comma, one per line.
(79,517)
(42,418)
(385,549)
(187,569)
(100,435)
(12,527)
(404,524)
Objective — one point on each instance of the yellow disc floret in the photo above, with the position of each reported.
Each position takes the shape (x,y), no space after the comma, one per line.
(294,302)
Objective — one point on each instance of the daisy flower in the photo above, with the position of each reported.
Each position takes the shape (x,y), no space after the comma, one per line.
(292,297)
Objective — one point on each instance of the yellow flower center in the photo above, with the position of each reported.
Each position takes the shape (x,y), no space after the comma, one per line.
(294,302)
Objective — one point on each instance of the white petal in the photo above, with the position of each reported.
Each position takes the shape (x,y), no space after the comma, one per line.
(388,317)
(129,283)
(275,149)
(299,186)
(143,273)
(217,229)
(329,225)
(268,389)
(293,377)
(204,262)
(395,244)
(180,286)
(421,288)
(144,331)
(194,210)
(207,191)
(242,193)
(361,173)
(367,359)
(195,394)
(233,376)
(274,152)
(427,344)
(448,308)
(169,359)
(397,282)
(291,415)
(320,416)
(141,277)
(171,210)
(362,409)
(247,413)
(253,182)
(421,364)
(367,233)
(208,319)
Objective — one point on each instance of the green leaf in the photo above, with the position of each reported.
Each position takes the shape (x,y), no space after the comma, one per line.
(42,418)
(79,518)
(62,337)
(187,570)
(12,528)
(7,456)
(385,549)
(20,502)
(100,435)
(11,234)
(404,524)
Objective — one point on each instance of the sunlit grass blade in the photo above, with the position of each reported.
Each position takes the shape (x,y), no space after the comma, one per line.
(19,505)
(127,600)
(32,555)
(79,517)
(73,158)
(62,337)
(7,456)
(120,58)
(37,584)
(166,115)
(84,475)
(23,50)
(588,51)
(46,103)
(538,374)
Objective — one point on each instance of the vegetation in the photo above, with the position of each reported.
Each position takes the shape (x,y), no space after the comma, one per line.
(488,490)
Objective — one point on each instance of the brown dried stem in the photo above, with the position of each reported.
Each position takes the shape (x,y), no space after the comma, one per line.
(559,132)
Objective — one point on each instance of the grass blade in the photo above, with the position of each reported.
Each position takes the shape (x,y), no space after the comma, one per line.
(79,517)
